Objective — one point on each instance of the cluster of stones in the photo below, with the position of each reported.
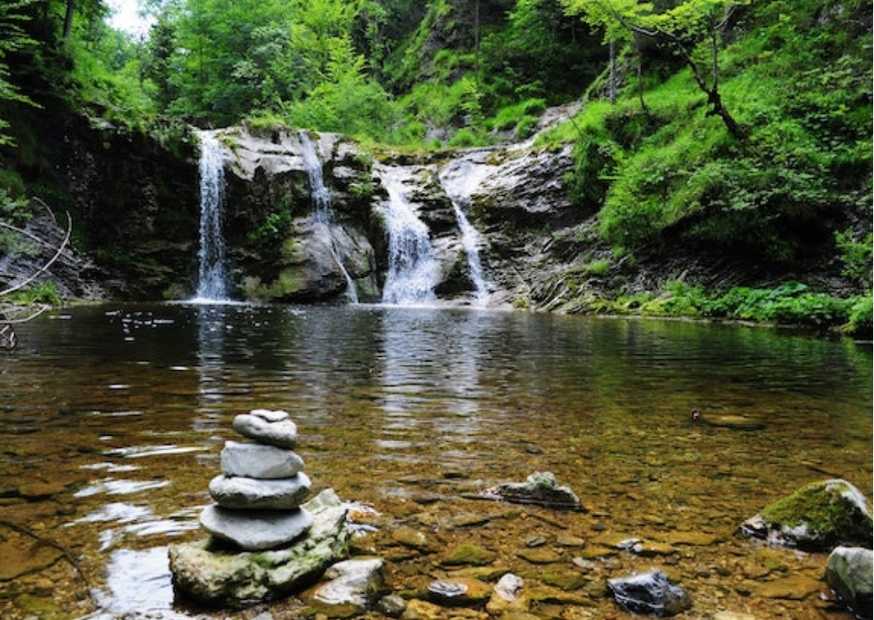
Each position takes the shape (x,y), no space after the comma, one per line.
(259,494)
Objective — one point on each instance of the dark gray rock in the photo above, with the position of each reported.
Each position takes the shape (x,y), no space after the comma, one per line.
(849,573)
(251,494)
(255,530)
(282,434)
(649,593)
(252,460)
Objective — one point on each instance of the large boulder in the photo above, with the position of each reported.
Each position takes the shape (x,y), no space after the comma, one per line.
(213,575)
(649,593)
(849,574)
(816,517)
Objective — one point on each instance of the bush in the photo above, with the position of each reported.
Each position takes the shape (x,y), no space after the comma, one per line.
(861,321)
(464,138)
(39,293)
(856,256)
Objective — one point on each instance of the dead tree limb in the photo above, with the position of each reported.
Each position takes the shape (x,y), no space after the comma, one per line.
(45,267)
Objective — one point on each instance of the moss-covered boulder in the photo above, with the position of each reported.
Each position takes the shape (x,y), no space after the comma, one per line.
(816,517)
(215,576)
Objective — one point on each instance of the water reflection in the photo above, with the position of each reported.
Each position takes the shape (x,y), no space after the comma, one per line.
(388,399)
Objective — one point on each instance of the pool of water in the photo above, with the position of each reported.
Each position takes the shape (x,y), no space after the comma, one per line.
(112,417)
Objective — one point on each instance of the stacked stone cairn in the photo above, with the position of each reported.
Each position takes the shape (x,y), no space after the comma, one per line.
(259,494)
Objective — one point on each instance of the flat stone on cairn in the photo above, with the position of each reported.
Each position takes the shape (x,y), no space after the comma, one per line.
(252,494)
(267,427)
(252,460)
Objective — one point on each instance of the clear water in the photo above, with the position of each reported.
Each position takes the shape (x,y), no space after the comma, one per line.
(212,281)
(321,196)
(460,179)
(413,272)
(125,408)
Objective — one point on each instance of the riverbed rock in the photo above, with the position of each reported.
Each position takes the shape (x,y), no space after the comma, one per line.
(353,586)
(255,530)
(649,593)
(392,605)
(849,573)
(817,517)
(468,554)
(540,488)
(791,588)
(251,460)
(734,422)
(250,494)
(458,592)
(254,425)
(214,575)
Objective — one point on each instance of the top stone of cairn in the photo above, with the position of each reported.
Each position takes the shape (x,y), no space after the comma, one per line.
(268,427)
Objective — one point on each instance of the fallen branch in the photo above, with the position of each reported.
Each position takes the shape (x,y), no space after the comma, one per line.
(31,317)
(45,267)
(30,236)
(67,555)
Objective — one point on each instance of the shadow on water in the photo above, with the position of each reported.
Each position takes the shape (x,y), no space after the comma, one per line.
(116,417)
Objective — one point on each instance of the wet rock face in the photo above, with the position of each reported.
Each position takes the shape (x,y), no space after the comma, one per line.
(216,576)
(849,574)
(816,517)
(649,593)
(280,247)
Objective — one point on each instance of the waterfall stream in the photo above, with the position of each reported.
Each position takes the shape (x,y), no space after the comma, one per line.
(212,281)
(413,271)
(321,196)
(459,180)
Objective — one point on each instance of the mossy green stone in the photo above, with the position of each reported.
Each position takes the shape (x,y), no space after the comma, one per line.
(468,554)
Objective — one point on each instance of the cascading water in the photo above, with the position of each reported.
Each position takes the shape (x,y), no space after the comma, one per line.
(412,270)
(459,179)
(212,282)
(322,199)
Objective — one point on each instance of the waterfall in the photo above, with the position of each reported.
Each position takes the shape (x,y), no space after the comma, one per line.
(459,181)
(412,270)
(321,196)
(212,282)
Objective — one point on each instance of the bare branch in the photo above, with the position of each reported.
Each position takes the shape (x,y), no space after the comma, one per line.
(36,274)
(43,308)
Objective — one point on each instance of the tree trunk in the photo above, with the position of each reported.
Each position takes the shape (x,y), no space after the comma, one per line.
(476,33)
(643,105)
(611,83)
(68,18)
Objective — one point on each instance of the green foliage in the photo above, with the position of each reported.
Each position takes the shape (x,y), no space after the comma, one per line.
(598,267)
(38,293)
(856,256)
(13,39)
(789,304)
(861,319)
(274,228)
(13,209)
(673,174)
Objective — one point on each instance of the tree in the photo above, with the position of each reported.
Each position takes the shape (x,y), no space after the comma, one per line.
(683,28)
(13,39)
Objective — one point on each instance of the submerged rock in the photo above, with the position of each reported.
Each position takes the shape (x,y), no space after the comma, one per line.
(458,592)
(257,425)
(468,554)
(255,530)
(539,488)
(214,576)
(252,460)
(849,574)
(649,593)
(353,586)
(818,516)
(392,605)
(735,422)
(251,494)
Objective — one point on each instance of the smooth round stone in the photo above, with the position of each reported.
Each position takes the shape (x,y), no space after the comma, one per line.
(252,494)
(269,415)
(255,530)
(252,460)
(282,433)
